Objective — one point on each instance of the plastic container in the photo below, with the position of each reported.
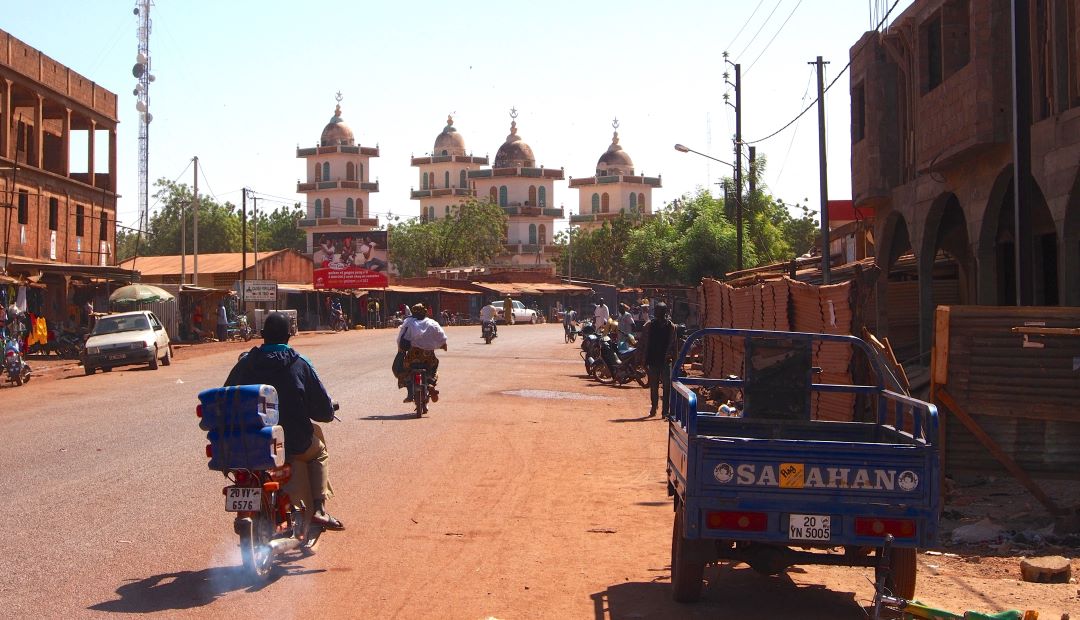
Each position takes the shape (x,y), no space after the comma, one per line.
(261,448)
(239,407)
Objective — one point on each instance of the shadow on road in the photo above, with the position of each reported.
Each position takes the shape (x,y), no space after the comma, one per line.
(397,416)
(730,592)
(187,589)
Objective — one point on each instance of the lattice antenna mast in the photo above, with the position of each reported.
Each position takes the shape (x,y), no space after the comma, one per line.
(141,71)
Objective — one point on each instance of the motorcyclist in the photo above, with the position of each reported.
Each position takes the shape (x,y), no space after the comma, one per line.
(301,399)
(487,315)
(336,313)
(568,319)
(418,338)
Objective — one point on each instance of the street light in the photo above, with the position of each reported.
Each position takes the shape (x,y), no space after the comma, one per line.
(738,204)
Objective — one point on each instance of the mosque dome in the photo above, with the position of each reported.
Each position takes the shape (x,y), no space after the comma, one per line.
(449,142)
(336,132)
(615,160)
(514,153)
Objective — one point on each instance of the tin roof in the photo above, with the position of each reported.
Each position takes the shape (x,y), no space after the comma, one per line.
(229,262)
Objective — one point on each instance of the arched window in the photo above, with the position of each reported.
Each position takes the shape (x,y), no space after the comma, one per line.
(532,234)
(326,171)
(541,196)
(464,180)
(605,203)
(633,202)
(542,238)
(350,171)
(447,210)
(431,214)
(423,181)
(502,195)
(350,207)
(494,194)
(641,201)
(318,207)
(444,153)
(532,195)
(447,178)
(596,203)
(326,208)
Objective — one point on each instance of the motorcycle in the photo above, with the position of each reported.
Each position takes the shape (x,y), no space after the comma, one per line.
(590,348)
(338,322)
(70,344)
(267,521)
(16,368)
(487,331)
(619,364)
(421,380)
(239,329)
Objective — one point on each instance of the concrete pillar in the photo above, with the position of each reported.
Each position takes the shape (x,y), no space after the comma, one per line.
(5,120)
(112,160)
(39,132)
(90,153)
(65,143)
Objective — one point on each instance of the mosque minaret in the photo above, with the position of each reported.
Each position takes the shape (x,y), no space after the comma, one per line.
(525,193)
(337,184)
(444,175)
(615,189)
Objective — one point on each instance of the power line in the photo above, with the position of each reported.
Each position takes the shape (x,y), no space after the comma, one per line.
(773,37)
(760,28)
(745,24)
(806,92)
(814,102)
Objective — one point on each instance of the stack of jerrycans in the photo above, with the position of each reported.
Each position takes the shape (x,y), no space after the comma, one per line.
(241,423)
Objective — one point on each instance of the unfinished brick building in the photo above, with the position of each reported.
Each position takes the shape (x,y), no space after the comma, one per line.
(931,114)
(60,219)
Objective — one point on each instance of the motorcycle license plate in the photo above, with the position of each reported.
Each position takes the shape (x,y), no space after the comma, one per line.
(809,527)
(242,499)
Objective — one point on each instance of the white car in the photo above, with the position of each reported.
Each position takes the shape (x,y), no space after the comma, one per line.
(521,313)
(124,339)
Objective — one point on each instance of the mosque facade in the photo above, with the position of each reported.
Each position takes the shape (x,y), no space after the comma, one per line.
(613,190)
(337,182)
(444,175)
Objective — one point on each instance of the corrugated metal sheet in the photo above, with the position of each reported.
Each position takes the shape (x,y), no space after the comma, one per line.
(1024,392)
(229,262)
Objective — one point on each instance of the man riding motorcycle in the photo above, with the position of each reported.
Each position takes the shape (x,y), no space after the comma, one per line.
(487,315)
(302,398)
(418,338)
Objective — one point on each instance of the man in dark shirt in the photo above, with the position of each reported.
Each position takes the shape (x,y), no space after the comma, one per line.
(301,399)
(659,344)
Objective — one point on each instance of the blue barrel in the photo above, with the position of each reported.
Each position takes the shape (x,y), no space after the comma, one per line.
(239,407)
(261,448)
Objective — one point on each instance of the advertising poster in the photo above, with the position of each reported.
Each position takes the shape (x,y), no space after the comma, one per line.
(346,260)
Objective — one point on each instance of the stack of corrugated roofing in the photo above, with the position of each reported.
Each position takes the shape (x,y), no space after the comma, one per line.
(827,310)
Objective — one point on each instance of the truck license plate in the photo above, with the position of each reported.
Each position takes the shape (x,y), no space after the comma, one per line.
(809,527)
(242,499)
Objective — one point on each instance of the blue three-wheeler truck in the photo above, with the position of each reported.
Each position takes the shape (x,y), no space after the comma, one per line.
(759,481)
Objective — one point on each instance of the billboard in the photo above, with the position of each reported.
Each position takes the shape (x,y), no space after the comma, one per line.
(350,260)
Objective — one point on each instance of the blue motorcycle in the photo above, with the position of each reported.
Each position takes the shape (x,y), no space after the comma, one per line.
(15,367)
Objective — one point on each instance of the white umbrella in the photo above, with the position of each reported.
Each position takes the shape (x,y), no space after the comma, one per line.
(139,293)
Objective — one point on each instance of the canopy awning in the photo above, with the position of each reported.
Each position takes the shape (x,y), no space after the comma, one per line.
(110,272)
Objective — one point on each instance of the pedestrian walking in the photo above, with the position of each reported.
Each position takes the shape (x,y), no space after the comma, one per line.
(659,340)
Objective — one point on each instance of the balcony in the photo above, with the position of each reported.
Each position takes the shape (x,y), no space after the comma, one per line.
(321,185)
(525,210)
(601,180)
(325,222)
(457,159)
(327,150)
(531,248)
(445,191)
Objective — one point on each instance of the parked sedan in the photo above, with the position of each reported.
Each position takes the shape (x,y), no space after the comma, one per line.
(521,313)
(124,339)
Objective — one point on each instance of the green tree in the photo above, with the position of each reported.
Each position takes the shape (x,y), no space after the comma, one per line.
(219,223)
(278,229)
(472,235)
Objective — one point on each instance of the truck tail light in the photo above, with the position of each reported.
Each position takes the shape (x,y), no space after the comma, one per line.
(198,411)
(209,451)
(899,528)
(737,520)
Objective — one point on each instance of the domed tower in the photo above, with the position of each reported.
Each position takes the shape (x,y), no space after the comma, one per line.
(526,194)
(614,189)
(337,182)
(444,180)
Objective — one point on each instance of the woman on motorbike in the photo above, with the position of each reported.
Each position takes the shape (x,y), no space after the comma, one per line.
(418,338)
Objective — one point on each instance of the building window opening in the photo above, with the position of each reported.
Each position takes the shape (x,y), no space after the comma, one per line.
(350,171)
(502,196)
(633,202)
(24,207)
(532,234)
(54,213)
(446,176)
(326,171)
(463,180)
(350,208)
(80,213)
(532,195)
(541,197)
(605,203)
(596,203)
(318,207)
(542,238)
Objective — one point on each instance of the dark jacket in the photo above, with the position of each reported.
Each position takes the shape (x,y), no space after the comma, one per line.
(301,395)
(659,341)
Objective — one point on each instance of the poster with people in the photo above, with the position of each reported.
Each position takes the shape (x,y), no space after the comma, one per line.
(344,260)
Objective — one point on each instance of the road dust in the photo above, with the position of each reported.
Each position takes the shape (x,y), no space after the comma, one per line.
(553,395)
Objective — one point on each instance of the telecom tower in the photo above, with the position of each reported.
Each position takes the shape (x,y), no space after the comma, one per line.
(141,71)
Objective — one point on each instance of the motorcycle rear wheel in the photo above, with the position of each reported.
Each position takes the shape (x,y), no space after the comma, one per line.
(246,334)
(420,398)
(255,545)
(603,374)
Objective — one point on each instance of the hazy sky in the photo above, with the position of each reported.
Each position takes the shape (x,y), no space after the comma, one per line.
(242,83)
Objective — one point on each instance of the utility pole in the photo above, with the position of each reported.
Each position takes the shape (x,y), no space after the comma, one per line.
(195,231)
(1021,147)
(243,244)
(823,169)
(255,226)
(738,169)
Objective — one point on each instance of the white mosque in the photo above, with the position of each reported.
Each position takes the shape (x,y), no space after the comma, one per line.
(613,190)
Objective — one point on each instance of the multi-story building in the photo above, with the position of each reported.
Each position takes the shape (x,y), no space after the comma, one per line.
(613,190)
(444,175)
(932,135)
(60,193)
(338,182)
(524,191)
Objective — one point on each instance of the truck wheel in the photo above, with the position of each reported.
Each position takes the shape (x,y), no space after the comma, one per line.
(902,570)
(686,572)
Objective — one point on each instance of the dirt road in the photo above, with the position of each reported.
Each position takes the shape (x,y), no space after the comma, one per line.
(528,492)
